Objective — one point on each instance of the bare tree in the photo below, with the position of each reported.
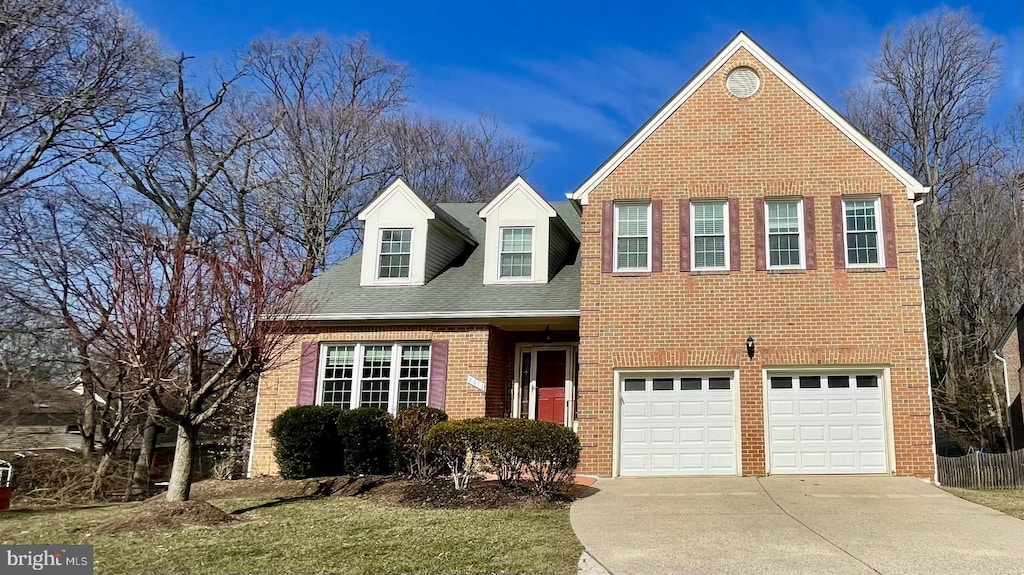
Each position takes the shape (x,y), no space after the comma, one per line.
(66,67)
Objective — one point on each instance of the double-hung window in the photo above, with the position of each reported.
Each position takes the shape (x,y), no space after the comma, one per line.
(516,253)
(862,232)
(395,254)
(632,236)
(784,222)
(389,376)
(710,242)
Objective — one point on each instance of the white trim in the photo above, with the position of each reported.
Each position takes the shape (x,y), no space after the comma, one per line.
(801,234)
(879,240)
(377,280)
(358,355)
(396,187)
(913,187)
(570,382)
(615,225)
(518,185)
(924,332)
(533,255)
(421,315)
(252,434)
(725,234)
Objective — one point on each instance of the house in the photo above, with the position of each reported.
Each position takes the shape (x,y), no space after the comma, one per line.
(735,291)
(41,418)
(1010,352)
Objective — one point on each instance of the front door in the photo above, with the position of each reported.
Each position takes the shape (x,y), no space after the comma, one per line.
(551,385)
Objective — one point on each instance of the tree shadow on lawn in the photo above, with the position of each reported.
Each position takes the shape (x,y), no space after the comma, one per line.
(344,485)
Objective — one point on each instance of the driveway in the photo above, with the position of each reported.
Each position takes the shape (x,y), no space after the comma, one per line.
(792,525)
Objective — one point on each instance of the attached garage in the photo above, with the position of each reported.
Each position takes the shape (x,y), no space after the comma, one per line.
(677,424)
(826,423)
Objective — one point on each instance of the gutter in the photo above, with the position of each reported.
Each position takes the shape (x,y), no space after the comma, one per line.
(421,315)
(1006,390)
(924,320)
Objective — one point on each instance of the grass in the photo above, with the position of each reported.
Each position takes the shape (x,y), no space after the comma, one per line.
(330,535)
(1008,501)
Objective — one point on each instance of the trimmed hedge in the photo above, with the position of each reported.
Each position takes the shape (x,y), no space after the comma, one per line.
(457,445)
(365,436)
(306,442)
(409,440)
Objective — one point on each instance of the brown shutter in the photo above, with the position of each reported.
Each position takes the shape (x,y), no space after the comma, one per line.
(759,258)
(438,373)
(684,235)
(307,373)
(810,234)
(734,234)
(889,232)
(607,236)
(656,236)
(837,232)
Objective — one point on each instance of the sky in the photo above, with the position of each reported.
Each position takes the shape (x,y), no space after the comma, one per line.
(575,79)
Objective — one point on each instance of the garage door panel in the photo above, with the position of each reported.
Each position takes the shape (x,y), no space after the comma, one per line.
(720,408)
(663,409)
(869,432)
(721,462)
(840,407)
(811,407)
(783,433)
(691,435)
(839,433)
(634,436)
(812,433)
(721,434)
(637,410)
(869,406)
(663,462)
(781,407)
(665,435)
(691,409)
(813,460)
(692,462)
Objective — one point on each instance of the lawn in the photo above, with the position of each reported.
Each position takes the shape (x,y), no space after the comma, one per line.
(1008,501)
(328,535)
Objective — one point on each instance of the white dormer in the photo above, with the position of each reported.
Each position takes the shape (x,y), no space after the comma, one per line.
(519,236)
(405,242)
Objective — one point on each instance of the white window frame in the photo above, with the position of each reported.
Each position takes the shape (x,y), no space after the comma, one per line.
(801,235)
(533,254)
(725,230)
(379,253)
(357,383)
(880,241)
(615,224)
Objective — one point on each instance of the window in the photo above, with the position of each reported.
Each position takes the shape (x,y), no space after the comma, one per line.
(785,234)
(710,241)
(782,383)
(719,382)
(383,375)
(663,384)
(395,253)
(516,253)
(634,385)
(690,384)
(862,232)
(867,381)
(632,237)
(810,382)
(838,381)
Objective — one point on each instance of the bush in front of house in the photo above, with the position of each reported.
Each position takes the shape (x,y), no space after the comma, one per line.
(306,442)
(551,452)
(365,436)
(409,440)
(457,445)
(504,442)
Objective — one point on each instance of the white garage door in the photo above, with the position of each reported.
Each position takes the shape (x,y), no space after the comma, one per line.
(826,424)
(677,425)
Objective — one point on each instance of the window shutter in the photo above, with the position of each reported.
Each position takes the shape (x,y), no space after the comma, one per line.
(889,232)
(734,234)
(307,373)
(810,234)
(607,236)
(759,259)
(656,236)
(438,373)
(684,235)
(837,232)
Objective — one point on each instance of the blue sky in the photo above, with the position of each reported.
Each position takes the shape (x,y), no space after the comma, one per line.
(574,80)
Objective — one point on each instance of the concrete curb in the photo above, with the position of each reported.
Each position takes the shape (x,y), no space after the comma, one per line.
(589,566)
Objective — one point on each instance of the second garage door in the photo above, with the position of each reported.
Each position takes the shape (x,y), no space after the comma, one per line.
(677,425)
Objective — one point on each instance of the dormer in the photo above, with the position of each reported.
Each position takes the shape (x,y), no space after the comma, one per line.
(407,240)
(526,241)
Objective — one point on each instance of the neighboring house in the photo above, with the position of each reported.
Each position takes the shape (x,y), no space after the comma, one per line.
(41,418)
(1010,350)
(735,291)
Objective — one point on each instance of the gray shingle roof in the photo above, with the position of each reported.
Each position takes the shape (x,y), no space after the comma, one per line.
(457,291)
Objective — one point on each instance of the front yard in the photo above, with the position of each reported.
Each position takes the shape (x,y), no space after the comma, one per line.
(324,535)
(1008,501)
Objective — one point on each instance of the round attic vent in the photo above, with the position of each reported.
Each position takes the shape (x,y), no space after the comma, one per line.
(742,82)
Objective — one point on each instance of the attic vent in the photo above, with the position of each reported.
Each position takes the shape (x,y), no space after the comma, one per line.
(742,82)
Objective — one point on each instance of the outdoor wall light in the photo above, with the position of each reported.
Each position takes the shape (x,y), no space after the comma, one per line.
(750,347)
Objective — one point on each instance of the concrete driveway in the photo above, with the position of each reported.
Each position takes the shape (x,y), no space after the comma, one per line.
(792,525)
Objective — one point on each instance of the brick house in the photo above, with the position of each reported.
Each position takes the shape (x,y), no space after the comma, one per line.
(1010,351)
(735,291)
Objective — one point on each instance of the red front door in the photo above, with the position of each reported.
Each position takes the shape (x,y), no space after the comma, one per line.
(551,386)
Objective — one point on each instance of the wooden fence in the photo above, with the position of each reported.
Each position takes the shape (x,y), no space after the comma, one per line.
(983,470)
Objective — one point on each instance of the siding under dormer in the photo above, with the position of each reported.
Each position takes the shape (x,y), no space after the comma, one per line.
(442,249)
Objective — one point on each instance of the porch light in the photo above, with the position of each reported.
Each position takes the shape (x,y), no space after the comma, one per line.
(547,334)
(750,347)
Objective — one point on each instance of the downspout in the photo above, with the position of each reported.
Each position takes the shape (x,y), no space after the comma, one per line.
(1006,390)
(252,434)
(924,321)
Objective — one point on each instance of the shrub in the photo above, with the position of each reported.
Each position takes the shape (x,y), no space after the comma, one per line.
(504,444)
(365,435)
(306,441)
(457,444)
(552,452)
(409,440)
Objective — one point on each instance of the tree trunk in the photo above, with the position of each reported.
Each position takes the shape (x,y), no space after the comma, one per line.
(180,487)
(88,414)
(140,475)
(998,403)
(101,472)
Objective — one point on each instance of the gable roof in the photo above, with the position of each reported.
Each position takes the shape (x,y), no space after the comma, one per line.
(1017,318)
(429,209)
(455,293)
(518,186)
(741,40)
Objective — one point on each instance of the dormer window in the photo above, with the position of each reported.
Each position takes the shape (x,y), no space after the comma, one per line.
(395,253)
(516,260)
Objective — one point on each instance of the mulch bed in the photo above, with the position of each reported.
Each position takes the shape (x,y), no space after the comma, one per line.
(159,514)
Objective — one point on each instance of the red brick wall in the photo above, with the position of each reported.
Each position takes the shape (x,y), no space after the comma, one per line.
(772,144)
(1011,352)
